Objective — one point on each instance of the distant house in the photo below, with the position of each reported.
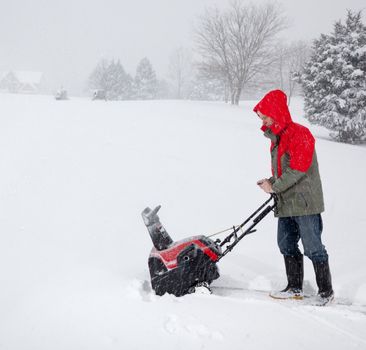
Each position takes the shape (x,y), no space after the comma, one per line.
(25,82)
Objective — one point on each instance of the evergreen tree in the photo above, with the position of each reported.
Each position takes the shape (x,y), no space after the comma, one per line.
(111,82)
(334,81)
(97,79)
(111,78)
(145,84)
(118,82)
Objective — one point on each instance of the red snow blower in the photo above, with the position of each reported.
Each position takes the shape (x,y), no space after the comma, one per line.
(180,267)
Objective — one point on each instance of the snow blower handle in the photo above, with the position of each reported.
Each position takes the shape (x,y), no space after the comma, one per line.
(268,209)
(257,216)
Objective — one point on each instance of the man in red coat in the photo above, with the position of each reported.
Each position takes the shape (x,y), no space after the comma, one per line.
(296,181)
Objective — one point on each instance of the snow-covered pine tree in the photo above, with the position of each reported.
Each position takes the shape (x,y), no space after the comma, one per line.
(334,81)
(112,81)
(97,79)
(118,81)
(111,78)
(145,83)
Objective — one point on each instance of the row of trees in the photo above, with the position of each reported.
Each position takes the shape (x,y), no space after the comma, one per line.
(236,46)
(238,52)
(111,77)
(186,79)
(112,82)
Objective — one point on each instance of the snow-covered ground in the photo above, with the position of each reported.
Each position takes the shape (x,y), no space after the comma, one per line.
(74,178)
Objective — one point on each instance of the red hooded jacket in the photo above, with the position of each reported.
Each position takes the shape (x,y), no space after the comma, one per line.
(295,139)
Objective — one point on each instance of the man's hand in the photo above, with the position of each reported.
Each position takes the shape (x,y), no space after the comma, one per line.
(265,185)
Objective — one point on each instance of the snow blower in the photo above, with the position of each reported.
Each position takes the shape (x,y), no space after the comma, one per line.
(180,267)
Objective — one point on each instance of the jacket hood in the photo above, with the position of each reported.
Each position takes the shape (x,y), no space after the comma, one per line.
(274,105)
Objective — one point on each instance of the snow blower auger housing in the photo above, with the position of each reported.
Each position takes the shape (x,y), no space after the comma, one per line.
(178,267)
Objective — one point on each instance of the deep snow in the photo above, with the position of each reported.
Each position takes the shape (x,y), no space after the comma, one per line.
(74,178)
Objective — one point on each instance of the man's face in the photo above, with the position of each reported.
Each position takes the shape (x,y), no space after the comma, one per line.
(267,121)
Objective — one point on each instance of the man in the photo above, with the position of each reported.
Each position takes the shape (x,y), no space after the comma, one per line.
(296,181)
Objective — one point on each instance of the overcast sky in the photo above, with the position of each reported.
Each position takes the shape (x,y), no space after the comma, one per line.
(66,38)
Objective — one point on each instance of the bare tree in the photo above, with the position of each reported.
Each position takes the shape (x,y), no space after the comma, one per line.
(236,44)
(180,70)
(290,59)
(288,62)
(299,54)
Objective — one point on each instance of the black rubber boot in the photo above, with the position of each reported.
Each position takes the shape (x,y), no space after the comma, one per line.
(323,279)
(295,276)
(295,272)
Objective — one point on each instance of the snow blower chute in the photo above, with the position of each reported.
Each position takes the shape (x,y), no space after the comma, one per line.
(178,267)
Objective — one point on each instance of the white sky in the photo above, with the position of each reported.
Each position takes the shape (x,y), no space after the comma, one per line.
(66,38)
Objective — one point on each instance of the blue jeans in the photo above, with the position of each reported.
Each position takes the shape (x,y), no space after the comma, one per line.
(309,228)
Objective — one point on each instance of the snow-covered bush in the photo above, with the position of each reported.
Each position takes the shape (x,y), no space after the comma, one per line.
(334,81)
(61,94)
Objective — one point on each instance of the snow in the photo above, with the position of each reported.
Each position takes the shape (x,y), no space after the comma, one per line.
(357,73)
(75,176)
(341,102)
(329,60)
(361,51)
